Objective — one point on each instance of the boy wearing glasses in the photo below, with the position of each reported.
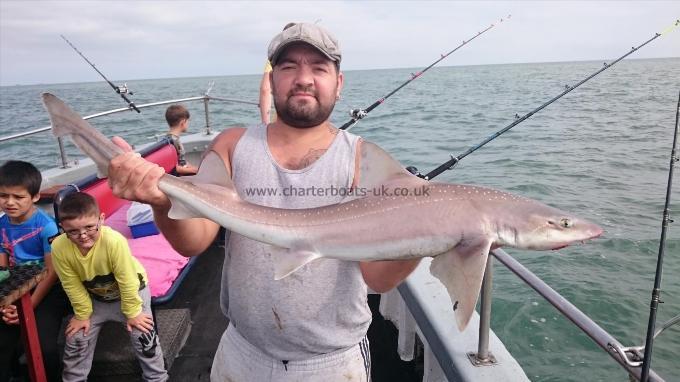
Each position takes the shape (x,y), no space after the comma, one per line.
(104,283)
(25,236)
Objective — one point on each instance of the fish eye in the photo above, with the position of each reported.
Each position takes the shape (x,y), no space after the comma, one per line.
(566,223)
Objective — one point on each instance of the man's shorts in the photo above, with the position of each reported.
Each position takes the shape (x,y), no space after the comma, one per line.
(236,360)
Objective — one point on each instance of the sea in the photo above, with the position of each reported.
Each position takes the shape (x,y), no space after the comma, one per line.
(601,152)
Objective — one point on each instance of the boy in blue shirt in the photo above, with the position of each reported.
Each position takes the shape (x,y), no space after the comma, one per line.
(25,235)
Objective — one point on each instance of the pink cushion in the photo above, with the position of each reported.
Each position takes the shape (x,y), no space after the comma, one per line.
(161,262)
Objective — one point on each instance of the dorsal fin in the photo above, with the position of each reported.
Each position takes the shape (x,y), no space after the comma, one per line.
(378,167)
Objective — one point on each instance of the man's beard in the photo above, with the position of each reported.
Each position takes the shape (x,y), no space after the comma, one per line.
(303,116)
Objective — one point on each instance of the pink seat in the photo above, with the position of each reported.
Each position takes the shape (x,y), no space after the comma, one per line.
(162,263)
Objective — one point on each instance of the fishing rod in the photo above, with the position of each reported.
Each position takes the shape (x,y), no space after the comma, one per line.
(448,165)
(656,292)
(357,114)
(122,90)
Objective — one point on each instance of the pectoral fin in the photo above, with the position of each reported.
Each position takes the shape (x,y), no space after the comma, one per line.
(461,271)
(180,210)
(287,262)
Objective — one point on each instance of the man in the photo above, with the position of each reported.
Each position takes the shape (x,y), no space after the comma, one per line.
(311,325)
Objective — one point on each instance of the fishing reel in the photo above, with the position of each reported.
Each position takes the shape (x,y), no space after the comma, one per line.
(357,114)
(123,90)
(414,170)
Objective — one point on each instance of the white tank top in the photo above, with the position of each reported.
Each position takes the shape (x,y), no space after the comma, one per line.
(320,308)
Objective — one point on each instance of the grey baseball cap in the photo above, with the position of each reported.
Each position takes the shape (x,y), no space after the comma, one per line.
(311,34)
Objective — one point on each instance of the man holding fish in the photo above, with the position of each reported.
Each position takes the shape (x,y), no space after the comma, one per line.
(297,266)
(311,325)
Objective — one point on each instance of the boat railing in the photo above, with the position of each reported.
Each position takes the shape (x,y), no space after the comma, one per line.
(450,361)
(206,98)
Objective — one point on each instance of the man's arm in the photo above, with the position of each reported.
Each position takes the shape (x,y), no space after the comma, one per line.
(4,260)
(383,276)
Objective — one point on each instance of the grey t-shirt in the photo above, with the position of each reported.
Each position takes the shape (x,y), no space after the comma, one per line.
(320,308)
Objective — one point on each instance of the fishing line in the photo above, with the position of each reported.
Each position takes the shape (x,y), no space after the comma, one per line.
(357,114)
(122,90)
(656,292)
(448,165)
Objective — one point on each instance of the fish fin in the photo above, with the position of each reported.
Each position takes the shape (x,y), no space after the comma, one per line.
(461,270)
(179,210)
(377,168)
(89,140)
(212,170)
(291,261)
(213,177)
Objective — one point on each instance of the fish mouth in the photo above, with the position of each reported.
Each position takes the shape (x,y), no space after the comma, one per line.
(594,235)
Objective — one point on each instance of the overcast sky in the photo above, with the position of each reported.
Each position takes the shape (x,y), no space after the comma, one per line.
(161,39)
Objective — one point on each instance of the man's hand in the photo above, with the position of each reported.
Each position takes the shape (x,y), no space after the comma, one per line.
(74,325)
(133,178)
(10,315)
(142,322)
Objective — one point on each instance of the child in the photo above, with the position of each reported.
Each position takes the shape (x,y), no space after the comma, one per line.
(104,283)
(177,117)
(25,235)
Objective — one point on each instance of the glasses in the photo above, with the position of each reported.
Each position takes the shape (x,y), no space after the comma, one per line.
(88,230)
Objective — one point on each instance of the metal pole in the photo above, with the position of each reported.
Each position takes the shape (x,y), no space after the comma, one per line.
(206,99)
(62,153)
(485,312)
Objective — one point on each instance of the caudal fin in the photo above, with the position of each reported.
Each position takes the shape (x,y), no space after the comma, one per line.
(89,140)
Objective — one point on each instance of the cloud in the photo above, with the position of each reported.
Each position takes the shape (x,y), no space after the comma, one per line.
(154,39)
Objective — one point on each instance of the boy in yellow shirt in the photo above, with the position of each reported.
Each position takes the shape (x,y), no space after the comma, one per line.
(104,283)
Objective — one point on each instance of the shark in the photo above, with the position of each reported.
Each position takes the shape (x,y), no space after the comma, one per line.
(455,224)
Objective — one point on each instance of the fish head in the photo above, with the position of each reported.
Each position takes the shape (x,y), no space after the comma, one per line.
(544,228)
